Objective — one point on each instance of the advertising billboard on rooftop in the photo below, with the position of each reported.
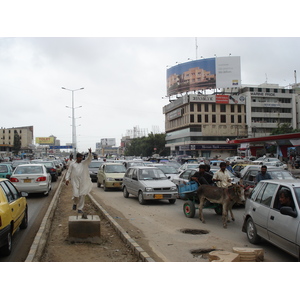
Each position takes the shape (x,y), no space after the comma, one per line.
(202,74)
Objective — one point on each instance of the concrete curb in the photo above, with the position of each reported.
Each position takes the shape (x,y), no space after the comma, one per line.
(143,255)
(40,240)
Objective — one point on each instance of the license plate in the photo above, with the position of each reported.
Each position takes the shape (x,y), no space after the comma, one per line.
(158,197)
(117,184)
(27,180)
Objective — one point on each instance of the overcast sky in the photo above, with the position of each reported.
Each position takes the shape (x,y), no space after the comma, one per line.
(124,78)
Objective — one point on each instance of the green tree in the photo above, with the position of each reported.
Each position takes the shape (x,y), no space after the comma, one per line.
(283,129)
(147,146)
(17,143)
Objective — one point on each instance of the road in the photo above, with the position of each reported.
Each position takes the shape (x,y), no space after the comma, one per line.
(22,239)
(158,228)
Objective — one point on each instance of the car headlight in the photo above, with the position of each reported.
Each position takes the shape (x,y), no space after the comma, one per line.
(110,179)
(173,188)
(148,189)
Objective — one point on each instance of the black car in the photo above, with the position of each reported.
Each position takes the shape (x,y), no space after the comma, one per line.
(93,169)
(50,166)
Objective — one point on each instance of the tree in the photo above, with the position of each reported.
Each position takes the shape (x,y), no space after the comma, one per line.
(17,143)
(283,129)
(147,146)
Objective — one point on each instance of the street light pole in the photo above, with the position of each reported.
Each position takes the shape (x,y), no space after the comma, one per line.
(74,141)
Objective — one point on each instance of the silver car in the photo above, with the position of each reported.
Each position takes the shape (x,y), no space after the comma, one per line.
(148,183)
(266,218)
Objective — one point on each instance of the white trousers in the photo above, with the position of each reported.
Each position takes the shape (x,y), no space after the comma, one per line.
(79,201)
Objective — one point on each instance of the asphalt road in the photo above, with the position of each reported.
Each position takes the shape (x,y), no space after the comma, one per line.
(158,228)
(22,239)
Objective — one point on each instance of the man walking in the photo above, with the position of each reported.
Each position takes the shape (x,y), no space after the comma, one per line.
(78,173)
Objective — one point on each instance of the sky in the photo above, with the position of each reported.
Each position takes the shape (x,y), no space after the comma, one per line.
(123,72)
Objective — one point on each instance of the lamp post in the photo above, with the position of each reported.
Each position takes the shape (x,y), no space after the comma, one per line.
(74,142)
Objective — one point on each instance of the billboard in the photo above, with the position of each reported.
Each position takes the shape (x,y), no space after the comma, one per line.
(44,140)
(202,74)
(108,142)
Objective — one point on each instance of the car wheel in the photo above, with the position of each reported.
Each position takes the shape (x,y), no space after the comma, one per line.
(172,201)
(252,232)
(24,223)
(6,249)
(141,198)
(189,209)
(125,192)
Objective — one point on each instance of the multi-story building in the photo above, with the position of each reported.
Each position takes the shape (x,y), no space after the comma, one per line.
(269,105)
(201,125)
(7,139)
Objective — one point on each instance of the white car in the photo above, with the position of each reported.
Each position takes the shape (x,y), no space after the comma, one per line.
(32,178)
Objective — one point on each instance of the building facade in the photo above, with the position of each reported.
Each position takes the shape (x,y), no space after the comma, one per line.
(201,125)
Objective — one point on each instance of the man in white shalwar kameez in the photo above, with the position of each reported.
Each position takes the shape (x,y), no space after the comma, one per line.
(78,173)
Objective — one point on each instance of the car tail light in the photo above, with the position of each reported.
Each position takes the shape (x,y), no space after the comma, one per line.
(53,170)
(43,178)
(13,179)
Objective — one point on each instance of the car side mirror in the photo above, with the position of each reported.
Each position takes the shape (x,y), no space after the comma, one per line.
(24,194)
(288,211)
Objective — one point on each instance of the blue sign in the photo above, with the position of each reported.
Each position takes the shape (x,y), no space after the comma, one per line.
(61,147)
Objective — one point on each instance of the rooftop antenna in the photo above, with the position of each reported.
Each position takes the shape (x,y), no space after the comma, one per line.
(266,78)
(295,75)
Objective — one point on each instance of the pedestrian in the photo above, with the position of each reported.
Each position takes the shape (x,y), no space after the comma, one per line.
(222,177)
(78,174)
(229,167)
(69,161)
(262,175)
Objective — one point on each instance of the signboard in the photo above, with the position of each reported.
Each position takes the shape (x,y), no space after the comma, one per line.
(44,140)
(108,142)
(202,74)
(220,99)
(61,147)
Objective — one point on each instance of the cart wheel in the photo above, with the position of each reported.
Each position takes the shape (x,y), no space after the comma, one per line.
(189,209)
(219,210)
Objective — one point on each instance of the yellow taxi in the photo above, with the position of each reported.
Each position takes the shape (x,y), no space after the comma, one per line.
(13,214)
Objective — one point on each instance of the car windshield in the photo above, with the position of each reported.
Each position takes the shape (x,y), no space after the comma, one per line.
(115,169)
(168,169)
(280,175)
(3,169)
(29,170)
(152,174)
(95,164)
(48,164)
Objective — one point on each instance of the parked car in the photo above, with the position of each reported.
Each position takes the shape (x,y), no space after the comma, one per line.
(276,173)
(265,219)
(169,171)
(148,183)
(94,168)
(32,178)
(51,168)
(235,159)
(5,170)
(13,214)
(110,175)
(58,166)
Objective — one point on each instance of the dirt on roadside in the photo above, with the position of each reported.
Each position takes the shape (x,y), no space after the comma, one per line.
(58,249)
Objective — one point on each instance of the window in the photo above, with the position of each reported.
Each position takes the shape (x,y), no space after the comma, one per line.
(222,108)
(232,108)
(206,118)
(239,108)
(206,107)
(198,106)
(266,194)
(232,118)
(199,119)
(239,119)
(192,119)
(191,106)
(223,118)
(213,107)
(213,118)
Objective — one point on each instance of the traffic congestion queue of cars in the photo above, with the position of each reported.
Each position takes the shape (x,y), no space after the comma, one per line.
(263,216)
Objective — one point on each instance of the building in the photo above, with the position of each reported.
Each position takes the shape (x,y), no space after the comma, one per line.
(7,136)
(200,124)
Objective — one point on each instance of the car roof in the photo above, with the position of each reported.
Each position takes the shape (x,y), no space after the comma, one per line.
(289,182)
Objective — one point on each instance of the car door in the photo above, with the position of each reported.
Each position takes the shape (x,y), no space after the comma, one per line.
(127,180)
(16,206)
(282,229)
(261,208)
